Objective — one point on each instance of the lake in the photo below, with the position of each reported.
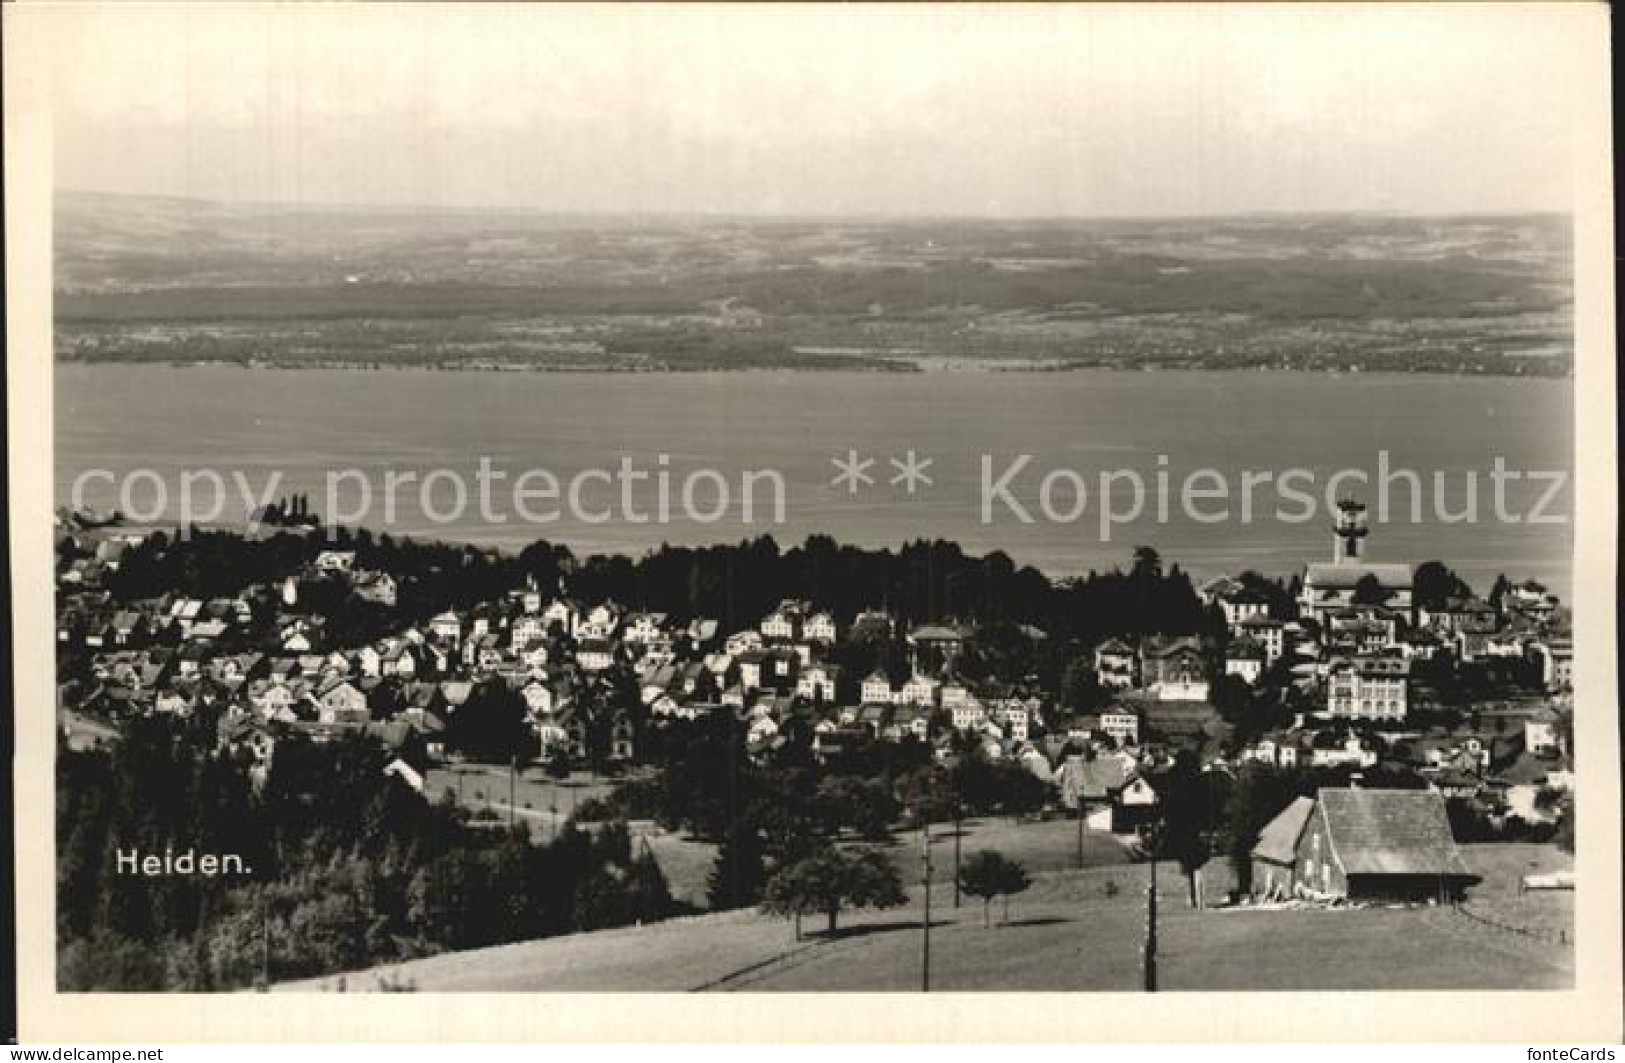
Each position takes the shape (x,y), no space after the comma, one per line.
(305,424)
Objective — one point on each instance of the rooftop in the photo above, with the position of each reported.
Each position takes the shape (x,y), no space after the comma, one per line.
(1391,832)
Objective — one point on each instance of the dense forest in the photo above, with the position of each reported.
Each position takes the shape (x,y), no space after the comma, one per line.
(346,867)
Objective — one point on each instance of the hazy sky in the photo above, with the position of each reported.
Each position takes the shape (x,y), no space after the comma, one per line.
(973,110)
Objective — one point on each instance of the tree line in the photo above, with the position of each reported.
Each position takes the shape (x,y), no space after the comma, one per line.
(737,584)
(345,867)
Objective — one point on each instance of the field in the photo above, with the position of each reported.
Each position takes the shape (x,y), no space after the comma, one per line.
(1072,931)
(1041,847)
(146,279)
(1544,914)
(535,795)
(544,804)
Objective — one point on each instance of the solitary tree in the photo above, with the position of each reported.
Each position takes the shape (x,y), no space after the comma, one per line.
(648,896)
(1434,584)
(1016,880)
(830,880)
(1186,812)
(1368,590)
(739,872)
(988,875)
(1147,563)
(490,726)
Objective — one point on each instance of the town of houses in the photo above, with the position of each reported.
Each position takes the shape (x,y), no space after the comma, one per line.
(1346,665)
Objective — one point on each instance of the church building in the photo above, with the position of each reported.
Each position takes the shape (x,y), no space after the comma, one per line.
(1349,580)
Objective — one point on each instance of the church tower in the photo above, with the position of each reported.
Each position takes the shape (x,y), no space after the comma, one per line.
(1348,529)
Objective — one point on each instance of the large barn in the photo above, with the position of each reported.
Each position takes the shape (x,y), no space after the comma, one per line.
(1361,845)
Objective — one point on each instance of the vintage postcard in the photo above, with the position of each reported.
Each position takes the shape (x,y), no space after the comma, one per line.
(522,512)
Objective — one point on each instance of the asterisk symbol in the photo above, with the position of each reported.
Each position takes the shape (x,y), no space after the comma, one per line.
(854,471)
(911,472)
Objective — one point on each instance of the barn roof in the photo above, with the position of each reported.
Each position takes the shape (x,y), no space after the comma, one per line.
(1278,841)
(1391,832)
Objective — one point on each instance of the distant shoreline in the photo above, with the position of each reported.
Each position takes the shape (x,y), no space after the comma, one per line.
(875,366)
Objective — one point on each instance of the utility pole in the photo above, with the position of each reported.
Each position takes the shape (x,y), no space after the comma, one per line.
(925,938)
(1080,830)
(957,832)
(265,923)
(265,944)
(1151,928)
(513,768)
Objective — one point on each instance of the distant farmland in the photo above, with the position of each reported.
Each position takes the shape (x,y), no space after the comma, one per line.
(167,280)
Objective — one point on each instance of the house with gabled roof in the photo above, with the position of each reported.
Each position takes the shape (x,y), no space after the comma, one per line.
(483,652)
(872,718)
(447,626)
(1107,790)
(1175,667)
(1116,664)
(342,702)
(600,622)
(595,654)
(1242,603)
(335,561)
(967,712)
(400,659)
(1217,588)
(876,689)
(248,737)
(655,680)
(527,629)
(379,588)
(1363,845)
(919,690)
(565,613)
(128,627)
(820,627)
(1244,658)
(539,696)
(645,627)
(1335,747)
(173,702)
(784,622)
(935,647)
(534,655)
(1122,723)
(906,720)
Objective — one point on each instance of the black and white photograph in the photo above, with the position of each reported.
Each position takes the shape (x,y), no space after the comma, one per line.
(971,499)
